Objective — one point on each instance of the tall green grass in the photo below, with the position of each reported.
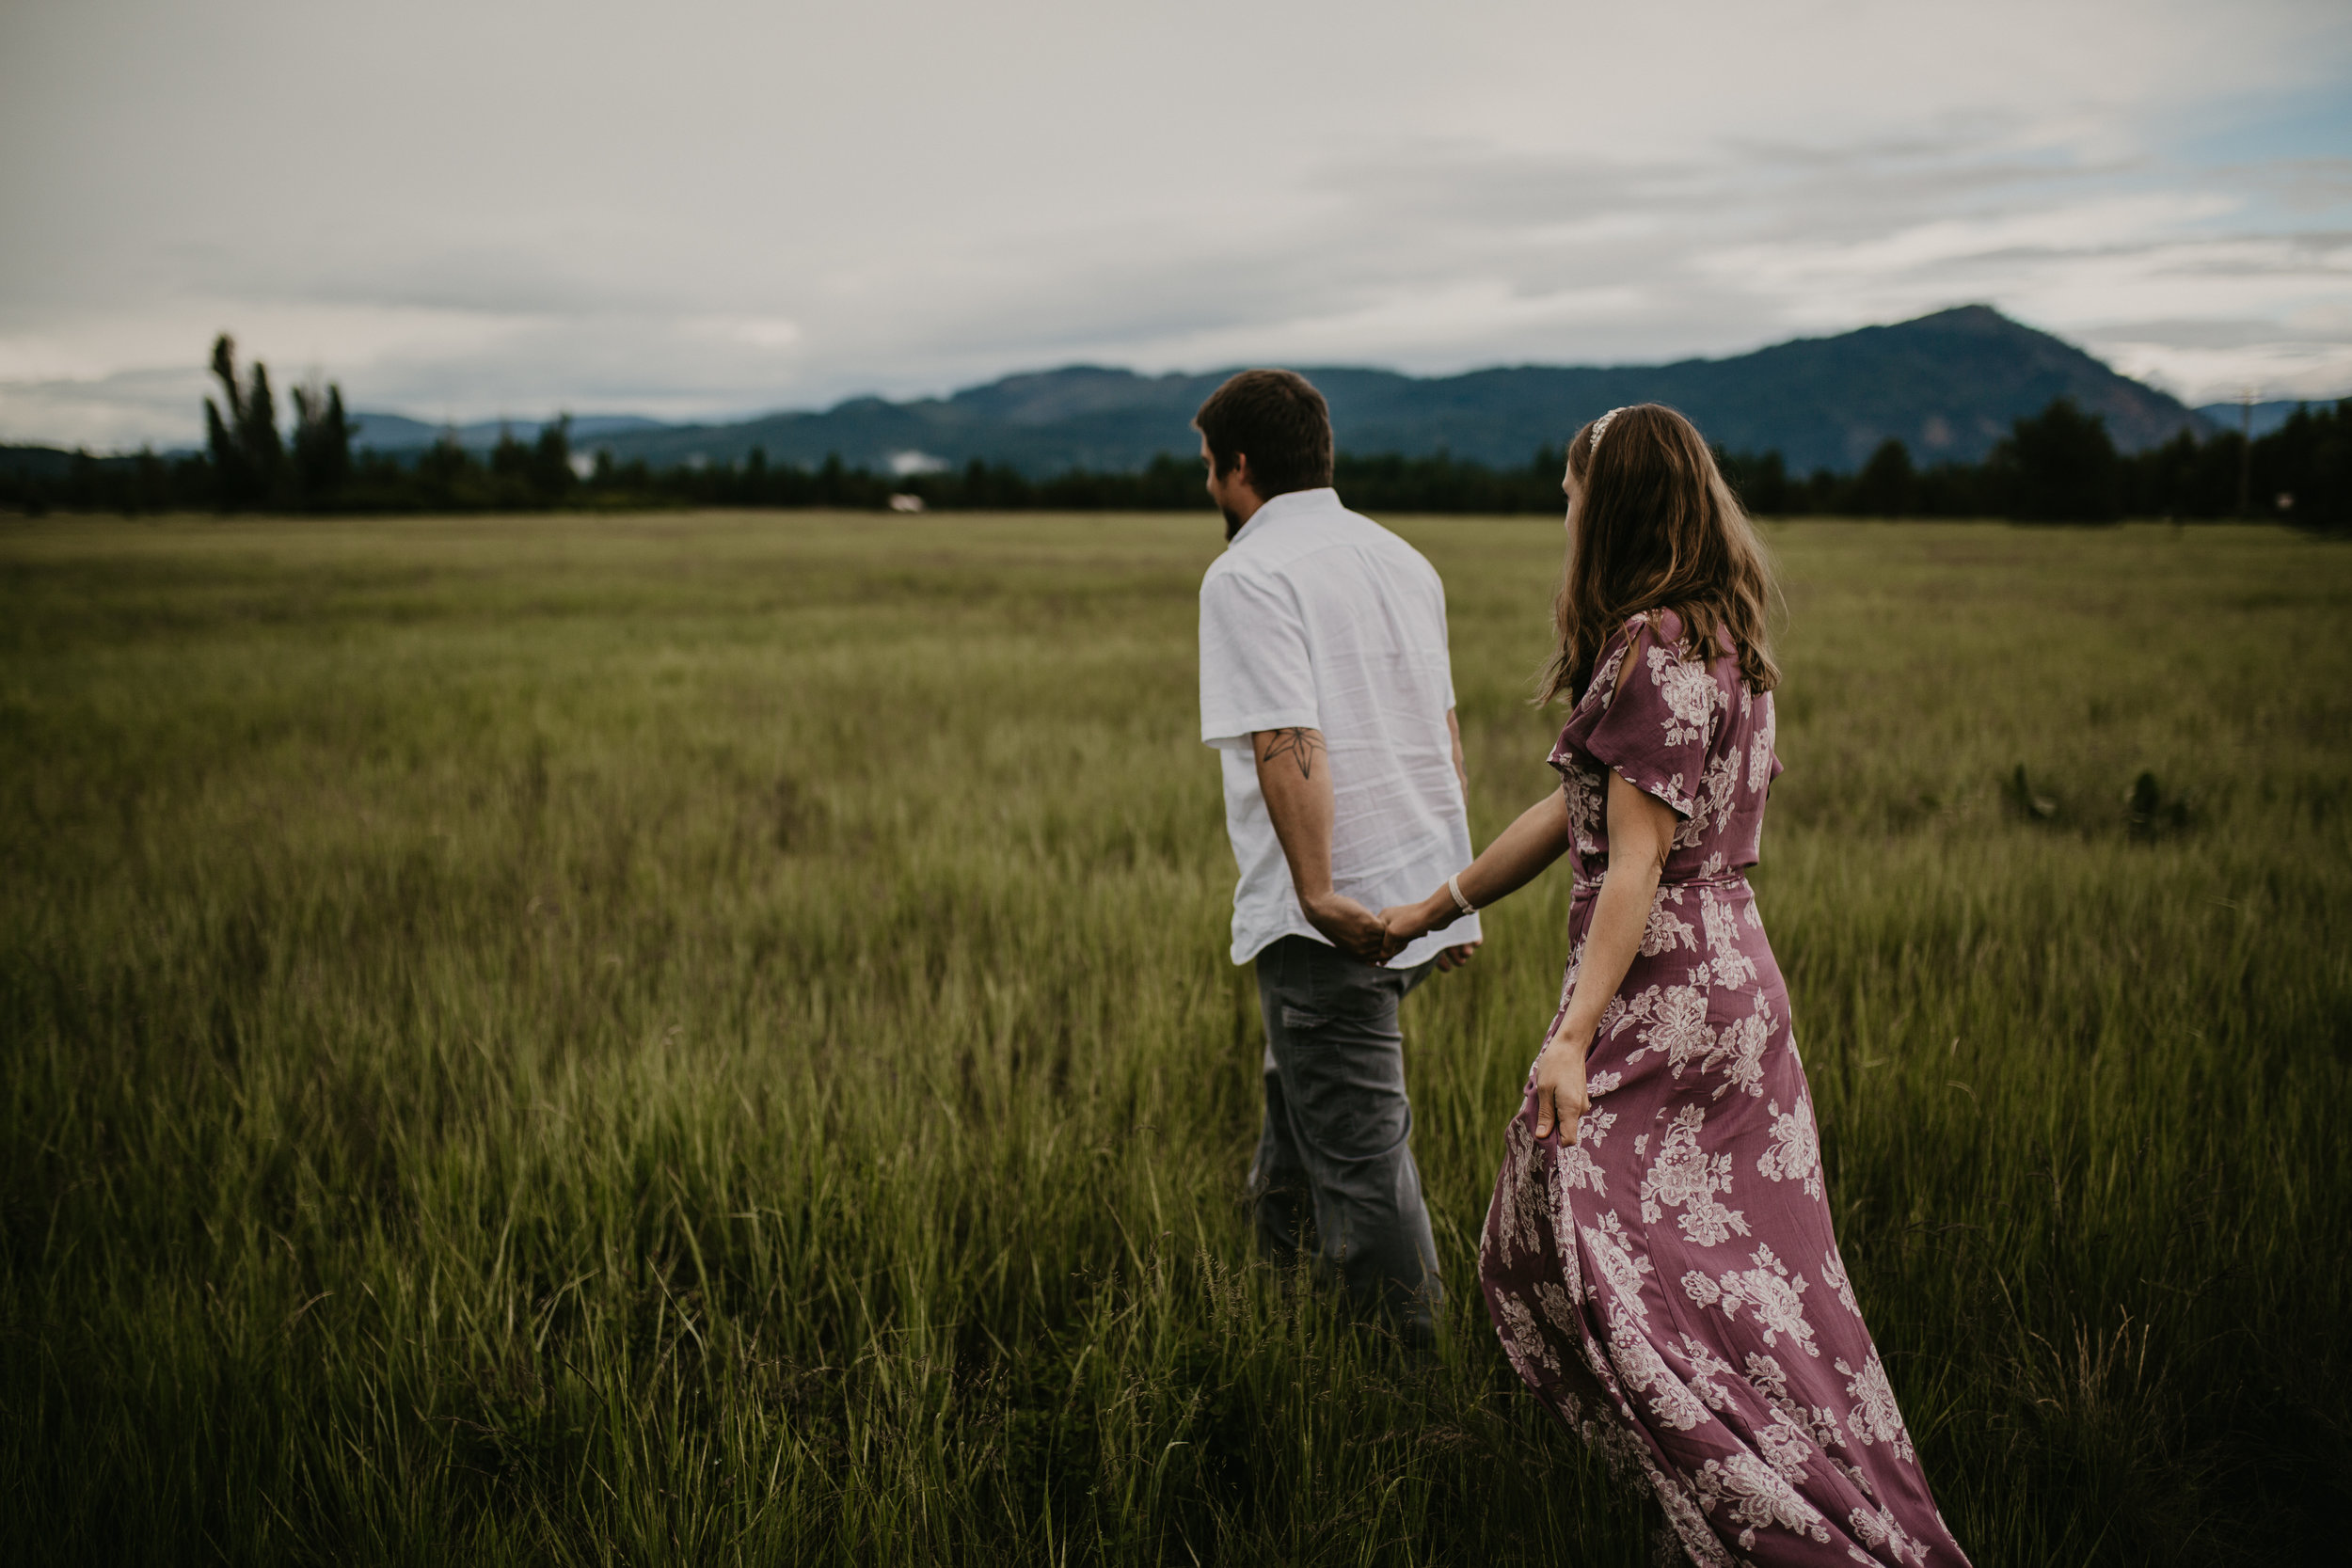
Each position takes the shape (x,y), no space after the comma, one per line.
(707,1038)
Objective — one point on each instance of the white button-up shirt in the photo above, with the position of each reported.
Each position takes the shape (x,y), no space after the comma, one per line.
(1317,617)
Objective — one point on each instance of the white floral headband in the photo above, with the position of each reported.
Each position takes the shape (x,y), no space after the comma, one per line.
(1602,423)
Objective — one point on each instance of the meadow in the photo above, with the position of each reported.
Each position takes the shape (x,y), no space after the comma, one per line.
(700,1038)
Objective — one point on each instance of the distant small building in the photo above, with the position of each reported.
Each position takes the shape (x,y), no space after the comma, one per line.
(903,502)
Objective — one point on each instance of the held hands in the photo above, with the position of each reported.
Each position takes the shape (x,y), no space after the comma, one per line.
(1350,927)
(1405,924)
(1353,928)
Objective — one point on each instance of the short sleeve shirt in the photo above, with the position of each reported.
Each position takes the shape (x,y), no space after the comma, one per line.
(1320,618)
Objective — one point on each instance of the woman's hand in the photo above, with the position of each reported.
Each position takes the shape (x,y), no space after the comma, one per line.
(1560,1097)
(1407,922)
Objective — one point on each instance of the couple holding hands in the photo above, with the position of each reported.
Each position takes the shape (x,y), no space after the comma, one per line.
(1657,1258)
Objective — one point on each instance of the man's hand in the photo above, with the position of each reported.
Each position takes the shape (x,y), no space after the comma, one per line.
(1352,927)
(1451,958)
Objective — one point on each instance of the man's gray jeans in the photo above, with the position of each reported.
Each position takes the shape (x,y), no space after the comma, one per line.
(1337,1144)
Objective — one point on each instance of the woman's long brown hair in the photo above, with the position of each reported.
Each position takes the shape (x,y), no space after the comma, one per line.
(1658,528)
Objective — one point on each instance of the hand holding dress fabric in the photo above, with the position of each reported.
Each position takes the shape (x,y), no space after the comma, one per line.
(1562,1093)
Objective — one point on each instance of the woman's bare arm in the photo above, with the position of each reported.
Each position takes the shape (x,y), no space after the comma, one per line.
(1517,857)
(1641,836)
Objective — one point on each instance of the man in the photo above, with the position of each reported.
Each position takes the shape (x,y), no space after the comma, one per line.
(1325,687)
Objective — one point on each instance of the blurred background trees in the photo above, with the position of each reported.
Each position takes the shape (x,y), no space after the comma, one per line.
(247,455)
(321,442)
(2057,466)
(2060,467)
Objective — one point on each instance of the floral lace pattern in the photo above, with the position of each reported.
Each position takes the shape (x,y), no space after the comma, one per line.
(1668,1280)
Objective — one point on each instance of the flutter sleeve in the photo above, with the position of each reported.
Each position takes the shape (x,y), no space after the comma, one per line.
(1653,725)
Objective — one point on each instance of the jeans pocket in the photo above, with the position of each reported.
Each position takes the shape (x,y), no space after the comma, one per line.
(1356,991)
(1304,1018)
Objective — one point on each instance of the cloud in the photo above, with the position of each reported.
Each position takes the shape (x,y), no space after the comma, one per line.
(119,411)
(711,208)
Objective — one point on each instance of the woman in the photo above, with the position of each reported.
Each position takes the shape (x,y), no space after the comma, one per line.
(1658,1260)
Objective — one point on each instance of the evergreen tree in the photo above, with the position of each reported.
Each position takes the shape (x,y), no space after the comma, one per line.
(1887,485)
(249,455)
(2303,470)
(2064,467)
(322,444)
(510,458)
(265,450)
(551,468)
(224,433)
(1759,478)
(444,471)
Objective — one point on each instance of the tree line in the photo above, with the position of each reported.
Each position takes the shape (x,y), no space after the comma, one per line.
(2057,466)
(2060,466)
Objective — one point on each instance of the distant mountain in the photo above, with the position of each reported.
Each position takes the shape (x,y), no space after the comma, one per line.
(397,432)
(2267,416)
(1948,385)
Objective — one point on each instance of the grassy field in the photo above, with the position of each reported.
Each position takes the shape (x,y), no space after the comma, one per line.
(707,1038)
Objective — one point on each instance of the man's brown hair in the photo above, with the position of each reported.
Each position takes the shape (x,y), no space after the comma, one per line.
(1278,421)
(1658,528)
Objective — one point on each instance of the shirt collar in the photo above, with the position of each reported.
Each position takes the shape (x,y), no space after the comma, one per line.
(1289,503)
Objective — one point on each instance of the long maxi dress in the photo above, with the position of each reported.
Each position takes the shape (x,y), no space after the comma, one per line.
(1668,1281)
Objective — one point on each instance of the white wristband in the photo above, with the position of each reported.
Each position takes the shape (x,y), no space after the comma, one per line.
(1453,886)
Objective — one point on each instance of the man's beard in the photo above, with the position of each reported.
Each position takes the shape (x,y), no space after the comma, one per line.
(1234,521)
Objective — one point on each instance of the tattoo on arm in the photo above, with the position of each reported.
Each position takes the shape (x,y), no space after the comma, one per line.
(1298,743)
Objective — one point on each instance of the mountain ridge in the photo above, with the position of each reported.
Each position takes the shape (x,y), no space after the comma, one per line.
(385,432)
(2260,419)
(1948,384)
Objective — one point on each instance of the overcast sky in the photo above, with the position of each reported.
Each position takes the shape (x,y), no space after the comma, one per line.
(703,207)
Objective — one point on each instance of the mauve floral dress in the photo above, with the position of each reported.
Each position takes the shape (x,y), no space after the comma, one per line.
(1669,1282)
